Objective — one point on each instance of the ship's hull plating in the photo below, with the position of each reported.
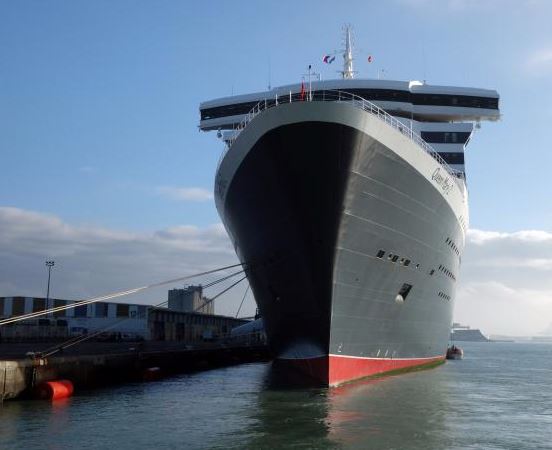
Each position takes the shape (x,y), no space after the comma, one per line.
(309,206)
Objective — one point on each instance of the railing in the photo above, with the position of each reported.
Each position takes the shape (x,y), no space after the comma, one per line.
(342,97)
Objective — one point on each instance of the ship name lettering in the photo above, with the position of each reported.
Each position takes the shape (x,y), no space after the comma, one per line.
(444,181)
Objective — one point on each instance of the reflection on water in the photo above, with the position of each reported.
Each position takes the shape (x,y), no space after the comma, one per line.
(393,412)
(498,397)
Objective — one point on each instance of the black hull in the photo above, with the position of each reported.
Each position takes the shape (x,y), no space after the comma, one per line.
(284,205)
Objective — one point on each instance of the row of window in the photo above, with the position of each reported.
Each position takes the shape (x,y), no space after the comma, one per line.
(192,319)
(395,258)
(392,95)
(406,262)
(444,296)
(447,272)
(100,308)
(445,137)
(452,245)
(452,157)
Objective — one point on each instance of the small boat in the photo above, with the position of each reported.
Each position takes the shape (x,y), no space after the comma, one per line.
(454,352)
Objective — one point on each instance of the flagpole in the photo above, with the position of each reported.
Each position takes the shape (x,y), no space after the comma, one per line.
(310,84)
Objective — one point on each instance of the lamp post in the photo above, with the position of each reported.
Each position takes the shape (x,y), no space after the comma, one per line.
(49,264)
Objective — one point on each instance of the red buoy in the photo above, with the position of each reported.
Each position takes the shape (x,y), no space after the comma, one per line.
(54,390)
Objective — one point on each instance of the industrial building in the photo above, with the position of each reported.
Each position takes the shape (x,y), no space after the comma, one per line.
(189,318)
(190,299)
(168,325)
(123,320)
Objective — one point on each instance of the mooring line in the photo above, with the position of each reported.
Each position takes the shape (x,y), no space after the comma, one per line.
(243,299)
(110,296)
(78,339)
(219,294)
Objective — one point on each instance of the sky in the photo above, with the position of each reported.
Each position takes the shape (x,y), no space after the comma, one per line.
(104,169)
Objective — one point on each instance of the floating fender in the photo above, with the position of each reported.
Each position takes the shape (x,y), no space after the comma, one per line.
(54,390)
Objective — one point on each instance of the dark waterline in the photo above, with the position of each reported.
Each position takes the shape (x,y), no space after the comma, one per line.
(498,397)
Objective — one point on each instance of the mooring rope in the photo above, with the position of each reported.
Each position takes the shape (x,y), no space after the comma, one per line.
(219,294)
(244,295)
(113,295)
(78,339)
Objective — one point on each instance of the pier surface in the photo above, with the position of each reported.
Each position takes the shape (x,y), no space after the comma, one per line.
(96,364)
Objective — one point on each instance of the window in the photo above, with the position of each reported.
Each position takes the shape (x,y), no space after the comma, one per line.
(452,157)
(1,306)
(407,263)
(141,311)
(39,304)
(227,110)
(80,311)
(59,303)
(395,257)
(404,291)
(18,306)
(445,137)
(432,271)
(380,254)
(466,101)
(122,310)
(101,309)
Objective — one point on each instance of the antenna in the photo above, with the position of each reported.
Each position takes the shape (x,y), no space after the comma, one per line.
(348,72)
(269,74)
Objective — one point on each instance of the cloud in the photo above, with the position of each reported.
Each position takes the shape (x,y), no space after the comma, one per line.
(192,194)
(505,284)
(95,260)
(481,237)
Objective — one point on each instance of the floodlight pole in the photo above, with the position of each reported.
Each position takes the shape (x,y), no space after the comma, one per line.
(49,264)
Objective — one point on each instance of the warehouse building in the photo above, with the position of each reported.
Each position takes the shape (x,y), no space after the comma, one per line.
(168,325)
(188,319)
(125,321)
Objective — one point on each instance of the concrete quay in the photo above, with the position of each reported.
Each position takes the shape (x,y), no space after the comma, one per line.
(99,364)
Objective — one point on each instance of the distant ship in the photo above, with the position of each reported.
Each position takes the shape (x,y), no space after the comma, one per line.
(346,200)
(465,333)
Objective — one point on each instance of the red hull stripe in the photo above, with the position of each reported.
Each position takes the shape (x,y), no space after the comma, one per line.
(344,369)
(333,370)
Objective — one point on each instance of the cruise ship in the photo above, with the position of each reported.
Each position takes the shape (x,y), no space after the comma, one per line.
(346,201)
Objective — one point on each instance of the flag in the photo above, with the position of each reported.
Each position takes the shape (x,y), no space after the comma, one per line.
(302,95)
(328,59)
(370,58)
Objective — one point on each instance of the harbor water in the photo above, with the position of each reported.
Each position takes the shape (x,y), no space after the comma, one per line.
(498,397)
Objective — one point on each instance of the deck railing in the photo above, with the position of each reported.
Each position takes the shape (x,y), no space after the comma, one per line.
(341,97)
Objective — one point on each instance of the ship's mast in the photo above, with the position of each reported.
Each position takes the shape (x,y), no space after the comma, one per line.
(348,72)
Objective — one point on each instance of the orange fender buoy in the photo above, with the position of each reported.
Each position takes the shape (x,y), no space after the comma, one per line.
(55,390)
